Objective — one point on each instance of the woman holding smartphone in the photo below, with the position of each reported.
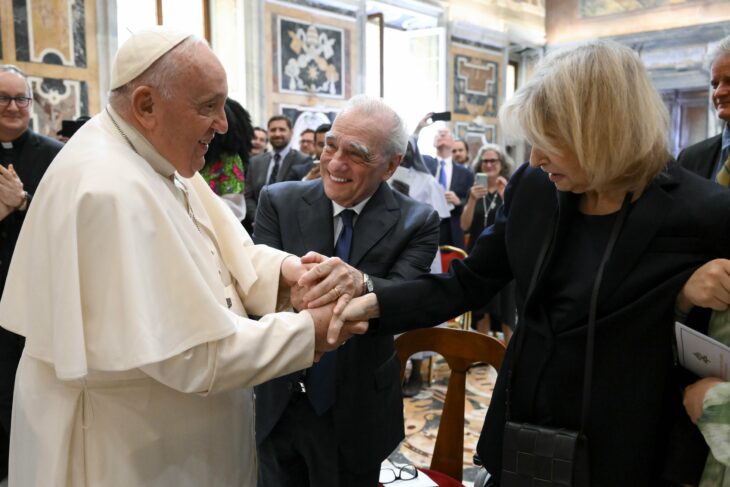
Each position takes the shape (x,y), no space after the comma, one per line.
(492,167)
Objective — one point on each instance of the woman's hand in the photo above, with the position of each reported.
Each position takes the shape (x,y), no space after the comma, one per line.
(477,191)
(708,287)
(359,309)
(694,396)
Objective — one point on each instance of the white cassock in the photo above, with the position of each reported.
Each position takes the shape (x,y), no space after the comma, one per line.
(139,357)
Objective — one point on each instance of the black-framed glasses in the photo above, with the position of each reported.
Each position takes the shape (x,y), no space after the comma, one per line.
(490,161)
(20,101)
(406,472)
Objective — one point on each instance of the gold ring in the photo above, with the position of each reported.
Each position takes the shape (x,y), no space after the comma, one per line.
(337,290)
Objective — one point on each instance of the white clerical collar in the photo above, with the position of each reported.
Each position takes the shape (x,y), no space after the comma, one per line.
(7,145)
(337,209)
(141,145)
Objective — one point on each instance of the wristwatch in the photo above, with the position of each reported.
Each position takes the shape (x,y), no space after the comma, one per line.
(25,201)
(367,284)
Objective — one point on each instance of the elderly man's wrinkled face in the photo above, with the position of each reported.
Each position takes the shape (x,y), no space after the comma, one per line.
(13,119)
(720,81)
(194,114)
(258,143)
(352,164)
(563,169)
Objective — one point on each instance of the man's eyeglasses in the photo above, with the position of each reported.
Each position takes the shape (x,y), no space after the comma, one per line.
(20,101)
(406,472)
(490,161)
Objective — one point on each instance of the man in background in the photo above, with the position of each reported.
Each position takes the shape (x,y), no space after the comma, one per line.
(460,153)
(306,142)
(280,164)
(333,424)
(24,158)
(319,142)
(709,158)
(260,141)
(455,179)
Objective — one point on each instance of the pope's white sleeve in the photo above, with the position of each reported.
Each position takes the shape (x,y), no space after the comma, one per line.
(277,344)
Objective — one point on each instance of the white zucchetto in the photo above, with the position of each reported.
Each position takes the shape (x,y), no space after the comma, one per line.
(140,51)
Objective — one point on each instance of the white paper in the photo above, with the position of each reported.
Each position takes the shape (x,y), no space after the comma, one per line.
(701,354)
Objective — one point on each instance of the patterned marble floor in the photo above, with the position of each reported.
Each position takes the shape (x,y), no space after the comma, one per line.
(423,413)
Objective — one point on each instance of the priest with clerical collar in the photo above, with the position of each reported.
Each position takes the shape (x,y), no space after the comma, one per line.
(24,158)
(132,283)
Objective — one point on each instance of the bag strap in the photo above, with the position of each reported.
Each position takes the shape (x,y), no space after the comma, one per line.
(590,345)
(590,341)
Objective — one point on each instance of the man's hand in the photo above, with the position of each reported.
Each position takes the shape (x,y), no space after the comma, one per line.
(708,287)
(11,188)
(452,198)
(501,185)
(331,280)
(322,318)
(424,122)
(359,309)
(694,396)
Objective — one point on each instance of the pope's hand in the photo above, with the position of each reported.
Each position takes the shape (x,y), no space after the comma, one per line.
(330,280)
(359,309)
(322,317)
(292,269)
(708,287)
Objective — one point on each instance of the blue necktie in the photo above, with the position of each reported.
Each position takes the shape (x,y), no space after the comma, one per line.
(321,378)
(275,169)
(442,174)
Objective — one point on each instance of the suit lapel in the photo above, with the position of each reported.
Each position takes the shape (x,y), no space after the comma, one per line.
(316,229)
(286,165)
(377,218)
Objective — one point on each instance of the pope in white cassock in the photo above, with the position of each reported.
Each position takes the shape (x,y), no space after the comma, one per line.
(132,283)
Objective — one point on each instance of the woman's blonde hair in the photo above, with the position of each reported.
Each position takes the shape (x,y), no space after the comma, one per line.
(596,101)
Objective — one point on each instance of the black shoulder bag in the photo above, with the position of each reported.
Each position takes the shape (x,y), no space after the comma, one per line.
(541,455)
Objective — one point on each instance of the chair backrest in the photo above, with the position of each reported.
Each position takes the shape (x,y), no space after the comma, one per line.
(449,253)
(461,349)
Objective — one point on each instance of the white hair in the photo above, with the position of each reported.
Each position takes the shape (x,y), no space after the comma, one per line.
(397,139)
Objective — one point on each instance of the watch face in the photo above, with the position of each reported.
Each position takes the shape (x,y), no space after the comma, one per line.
(369,284)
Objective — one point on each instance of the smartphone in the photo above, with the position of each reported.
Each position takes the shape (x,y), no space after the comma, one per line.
(445,116)
(481,179)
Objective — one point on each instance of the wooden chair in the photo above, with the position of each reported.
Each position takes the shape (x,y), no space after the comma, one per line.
(462,349)
(449,253)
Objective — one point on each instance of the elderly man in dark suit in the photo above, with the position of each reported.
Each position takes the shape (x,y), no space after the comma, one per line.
(24,158)
(280,164)
(709,158)
(333,424)
(455,179)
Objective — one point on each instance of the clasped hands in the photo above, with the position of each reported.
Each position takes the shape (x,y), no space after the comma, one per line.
(12,195)
(323,286)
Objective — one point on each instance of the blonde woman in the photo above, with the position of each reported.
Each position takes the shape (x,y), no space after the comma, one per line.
(598,192)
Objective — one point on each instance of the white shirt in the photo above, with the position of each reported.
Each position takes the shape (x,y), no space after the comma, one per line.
(337,209)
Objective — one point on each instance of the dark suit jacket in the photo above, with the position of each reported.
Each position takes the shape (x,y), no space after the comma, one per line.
(257,169)
(680,222)
(462,180)
(701,158)
(394,237)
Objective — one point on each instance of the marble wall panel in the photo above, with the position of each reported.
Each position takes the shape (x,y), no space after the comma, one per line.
(50,32)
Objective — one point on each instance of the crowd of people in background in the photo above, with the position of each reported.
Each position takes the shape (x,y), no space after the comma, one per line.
(600,232)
